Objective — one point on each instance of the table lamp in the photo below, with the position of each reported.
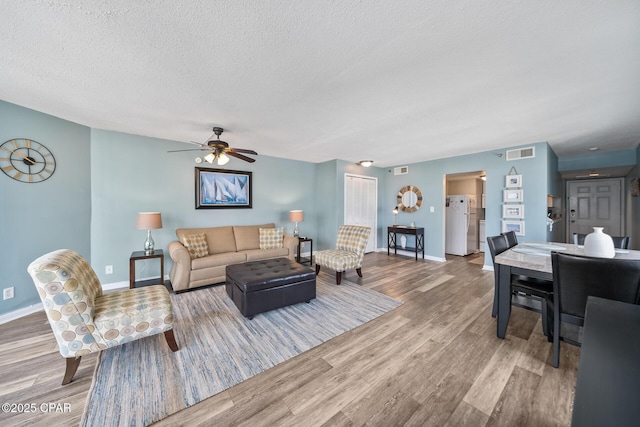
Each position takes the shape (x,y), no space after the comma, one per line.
(149,221)
(395,216)
(296,216)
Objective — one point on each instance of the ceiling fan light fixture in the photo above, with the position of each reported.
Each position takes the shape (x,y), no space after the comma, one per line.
(223,159)
(209,158)
(366,163)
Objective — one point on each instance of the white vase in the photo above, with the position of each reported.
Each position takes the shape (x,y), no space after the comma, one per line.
(599,244)
(403,242)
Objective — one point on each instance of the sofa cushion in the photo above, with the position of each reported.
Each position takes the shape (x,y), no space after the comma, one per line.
(219,239)
(260,254)
(271,238)
(248,236)
(196,244)
(217,260)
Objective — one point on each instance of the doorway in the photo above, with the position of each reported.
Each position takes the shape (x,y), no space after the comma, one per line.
(464,227)
(361,205)
(595,203)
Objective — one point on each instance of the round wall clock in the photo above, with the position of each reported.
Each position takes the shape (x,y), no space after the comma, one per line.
(26,160)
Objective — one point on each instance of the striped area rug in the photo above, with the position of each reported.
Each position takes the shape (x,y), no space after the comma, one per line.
(142,382)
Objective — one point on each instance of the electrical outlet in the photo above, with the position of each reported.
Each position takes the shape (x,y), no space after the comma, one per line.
(7,293)
(108,269)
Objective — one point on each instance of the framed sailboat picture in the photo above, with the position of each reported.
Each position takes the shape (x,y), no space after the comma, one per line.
(222,189)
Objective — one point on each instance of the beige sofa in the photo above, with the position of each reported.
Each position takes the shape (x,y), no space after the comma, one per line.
(225,246)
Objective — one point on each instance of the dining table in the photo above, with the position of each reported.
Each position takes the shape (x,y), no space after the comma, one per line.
(532,259)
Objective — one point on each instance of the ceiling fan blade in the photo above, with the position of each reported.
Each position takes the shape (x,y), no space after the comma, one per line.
(241,157)
(190,149)
(197,143)
(242,150)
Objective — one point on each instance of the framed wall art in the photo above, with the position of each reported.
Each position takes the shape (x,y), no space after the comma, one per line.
(517,226)
(222,189)
(515,196)
(513,211)
(512,181)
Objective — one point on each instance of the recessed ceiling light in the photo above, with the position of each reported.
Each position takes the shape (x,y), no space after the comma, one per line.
(593,149)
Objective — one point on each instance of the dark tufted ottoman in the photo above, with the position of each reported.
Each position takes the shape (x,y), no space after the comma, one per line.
(259,286)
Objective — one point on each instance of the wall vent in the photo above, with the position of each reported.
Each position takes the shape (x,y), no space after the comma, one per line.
(521,153)
(402,170)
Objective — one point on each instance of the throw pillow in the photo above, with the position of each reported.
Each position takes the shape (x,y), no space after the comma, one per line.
(197,245)
(271,238)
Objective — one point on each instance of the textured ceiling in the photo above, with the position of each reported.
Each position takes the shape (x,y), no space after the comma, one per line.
(393,81)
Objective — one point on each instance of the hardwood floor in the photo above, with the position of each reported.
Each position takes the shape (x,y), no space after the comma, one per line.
(435,360)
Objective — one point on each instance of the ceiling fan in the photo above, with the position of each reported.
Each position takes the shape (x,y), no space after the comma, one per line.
(220,150)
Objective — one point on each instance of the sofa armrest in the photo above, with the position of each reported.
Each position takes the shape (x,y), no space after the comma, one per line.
(291,243)
(181,268)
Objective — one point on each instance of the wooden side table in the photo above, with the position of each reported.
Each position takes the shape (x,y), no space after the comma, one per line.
(141,255)
(299,259)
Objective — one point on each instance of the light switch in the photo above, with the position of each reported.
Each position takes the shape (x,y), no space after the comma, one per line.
(432,209)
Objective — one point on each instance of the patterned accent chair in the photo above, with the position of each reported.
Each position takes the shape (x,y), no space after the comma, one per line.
(84,320)
(349,251)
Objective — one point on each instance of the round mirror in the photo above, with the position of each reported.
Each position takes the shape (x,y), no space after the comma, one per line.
(409,199)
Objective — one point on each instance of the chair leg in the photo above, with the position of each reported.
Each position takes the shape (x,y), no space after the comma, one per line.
(171,340)
(545,326)
(72,367)
(556,339)
(359,271)
(338,277)
(494,311)
(550,323)
(317,269)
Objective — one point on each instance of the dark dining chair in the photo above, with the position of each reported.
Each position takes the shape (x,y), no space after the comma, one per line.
(577,277)
(512,239)
(541,289)
(620,242)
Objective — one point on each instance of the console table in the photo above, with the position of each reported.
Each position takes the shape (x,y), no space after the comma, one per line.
(392,233)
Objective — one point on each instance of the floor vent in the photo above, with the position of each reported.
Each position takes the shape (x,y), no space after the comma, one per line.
(521,153)
(401,170)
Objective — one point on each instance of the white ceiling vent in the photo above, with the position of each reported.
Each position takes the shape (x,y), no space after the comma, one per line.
(521,153)
(401,170)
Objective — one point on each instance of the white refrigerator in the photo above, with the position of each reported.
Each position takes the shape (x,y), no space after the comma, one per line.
(461,224)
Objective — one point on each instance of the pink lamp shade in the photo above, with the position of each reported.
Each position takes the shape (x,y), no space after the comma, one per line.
(149,221)
(296,216)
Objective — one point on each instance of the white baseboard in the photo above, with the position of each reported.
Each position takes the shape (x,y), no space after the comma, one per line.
(108,287)
(413,254)
(21,312)
(488,267)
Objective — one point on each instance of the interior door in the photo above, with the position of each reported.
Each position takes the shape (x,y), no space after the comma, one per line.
(361,204)
(595,203)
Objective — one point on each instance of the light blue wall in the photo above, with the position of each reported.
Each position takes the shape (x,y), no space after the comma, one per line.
(325,192)
(132,173)
(53,214)
(633,227)
(555,187)
(598,159)
(429,177)
(329,188)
